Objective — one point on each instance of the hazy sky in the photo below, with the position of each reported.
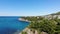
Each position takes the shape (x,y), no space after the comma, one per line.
(28,7)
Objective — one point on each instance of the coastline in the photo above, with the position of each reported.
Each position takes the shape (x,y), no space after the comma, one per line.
(22,19)
(26,29)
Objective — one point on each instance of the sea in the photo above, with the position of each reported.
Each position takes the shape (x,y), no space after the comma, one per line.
(12,25)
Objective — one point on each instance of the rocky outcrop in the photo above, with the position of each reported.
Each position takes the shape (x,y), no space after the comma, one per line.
(29,31)
(21,19)
(51,16)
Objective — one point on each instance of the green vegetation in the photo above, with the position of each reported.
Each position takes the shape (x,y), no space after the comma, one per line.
(44,25)
(24,32)
(50,26)
(56,13)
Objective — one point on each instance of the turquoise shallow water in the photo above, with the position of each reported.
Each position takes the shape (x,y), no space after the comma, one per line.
(11,24)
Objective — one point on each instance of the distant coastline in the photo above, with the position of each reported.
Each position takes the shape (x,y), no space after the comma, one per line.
(22,19)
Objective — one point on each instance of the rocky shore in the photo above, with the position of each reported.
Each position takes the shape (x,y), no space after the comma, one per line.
(21,19)
(28,31)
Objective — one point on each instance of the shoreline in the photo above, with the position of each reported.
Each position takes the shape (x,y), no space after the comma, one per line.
(22,19)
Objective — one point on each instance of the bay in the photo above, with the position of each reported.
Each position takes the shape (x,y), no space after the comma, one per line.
(11,24)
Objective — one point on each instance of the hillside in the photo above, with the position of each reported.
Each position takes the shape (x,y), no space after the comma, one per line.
(53,15)
(58,13)
(48,24)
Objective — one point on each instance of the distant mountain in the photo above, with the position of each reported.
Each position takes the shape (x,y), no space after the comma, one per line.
(58,13)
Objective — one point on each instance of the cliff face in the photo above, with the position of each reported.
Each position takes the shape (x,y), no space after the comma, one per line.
(54,15)
(58,13)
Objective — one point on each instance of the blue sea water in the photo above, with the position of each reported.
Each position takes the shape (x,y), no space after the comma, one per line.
(11,24)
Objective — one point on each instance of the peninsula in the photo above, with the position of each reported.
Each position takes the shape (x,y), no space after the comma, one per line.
(48,24)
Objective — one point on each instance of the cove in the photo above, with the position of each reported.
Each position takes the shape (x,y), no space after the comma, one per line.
(11,25)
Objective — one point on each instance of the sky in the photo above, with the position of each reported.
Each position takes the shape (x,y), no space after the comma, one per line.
(28,7)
